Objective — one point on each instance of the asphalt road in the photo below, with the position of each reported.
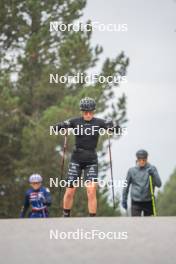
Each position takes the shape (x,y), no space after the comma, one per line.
(88,241)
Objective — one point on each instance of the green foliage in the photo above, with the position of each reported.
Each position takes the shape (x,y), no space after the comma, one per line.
(166,199)
(30,104)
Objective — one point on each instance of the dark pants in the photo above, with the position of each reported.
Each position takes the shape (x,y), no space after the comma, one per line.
(138,207)
(40,214)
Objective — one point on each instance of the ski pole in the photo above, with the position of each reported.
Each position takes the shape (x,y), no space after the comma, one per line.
(110,159)
(43,211)
(153,197)
(40,204)
(62,166)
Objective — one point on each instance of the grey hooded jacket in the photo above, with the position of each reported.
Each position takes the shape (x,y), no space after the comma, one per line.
(138,178)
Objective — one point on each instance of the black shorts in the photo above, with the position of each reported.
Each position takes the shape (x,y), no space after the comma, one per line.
(75,170)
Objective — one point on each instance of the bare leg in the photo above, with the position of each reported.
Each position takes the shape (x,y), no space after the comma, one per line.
(68,198)
(92,198)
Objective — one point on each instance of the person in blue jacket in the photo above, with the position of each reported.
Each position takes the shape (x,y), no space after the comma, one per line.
(37,197)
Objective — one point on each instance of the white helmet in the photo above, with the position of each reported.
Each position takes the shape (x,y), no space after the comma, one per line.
(35,178)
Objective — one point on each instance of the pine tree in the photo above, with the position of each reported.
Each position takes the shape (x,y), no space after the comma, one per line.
(33,53)
(166,199)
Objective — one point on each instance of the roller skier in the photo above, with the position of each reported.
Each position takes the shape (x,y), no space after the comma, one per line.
(143,178)
(84,155)
(37,197)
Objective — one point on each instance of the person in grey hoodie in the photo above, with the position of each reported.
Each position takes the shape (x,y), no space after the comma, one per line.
(138,179)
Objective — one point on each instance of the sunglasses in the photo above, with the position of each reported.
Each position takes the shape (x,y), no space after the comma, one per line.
(88,113)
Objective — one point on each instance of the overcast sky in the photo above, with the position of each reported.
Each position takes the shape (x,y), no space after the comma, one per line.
(150,43)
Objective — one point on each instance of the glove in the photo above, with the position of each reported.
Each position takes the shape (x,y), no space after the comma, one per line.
(124,205)
(150,172)
(21,215)
(109,123)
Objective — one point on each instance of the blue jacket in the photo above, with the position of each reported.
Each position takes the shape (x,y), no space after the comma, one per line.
(38,200)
